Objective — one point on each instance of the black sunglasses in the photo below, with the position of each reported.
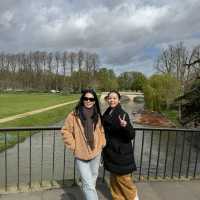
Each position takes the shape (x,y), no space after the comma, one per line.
(90,99)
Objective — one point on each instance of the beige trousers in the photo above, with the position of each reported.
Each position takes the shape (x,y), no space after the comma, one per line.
(122,187)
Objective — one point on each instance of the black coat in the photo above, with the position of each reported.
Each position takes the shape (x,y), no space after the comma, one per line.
(118,155)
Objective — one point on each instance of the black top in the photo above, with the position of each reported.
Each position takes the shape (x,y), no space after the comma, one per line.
(118,153)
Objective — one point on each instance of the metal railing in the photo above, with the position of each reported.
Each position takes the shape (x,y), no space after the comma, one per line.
(167,153)
(37,154)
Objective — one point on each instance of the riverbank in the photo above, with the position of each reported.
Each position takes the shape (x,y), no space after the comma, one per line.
(152,118)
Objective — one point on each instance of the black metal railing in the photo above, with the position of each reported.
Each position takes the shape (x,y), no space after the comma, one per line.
(11,137)
(167,153)
(160,153)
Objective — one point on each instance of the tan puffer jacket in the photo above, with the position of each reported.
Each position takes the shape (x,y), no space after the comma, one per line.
(74,138)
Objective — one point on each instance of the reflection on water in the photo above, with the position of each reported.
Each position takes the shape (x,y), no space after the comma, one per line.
(46,171)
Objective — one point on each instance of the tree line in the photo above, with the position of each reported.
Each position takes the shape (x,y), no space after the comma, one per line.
(177,71)
(42,70)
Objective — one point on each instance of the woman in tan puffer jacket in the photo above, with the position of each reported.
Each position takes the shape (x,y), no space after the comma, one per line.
(83,134)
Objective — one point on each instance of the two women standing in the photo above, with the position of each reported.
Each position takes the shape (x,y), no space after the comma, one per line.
(83,134)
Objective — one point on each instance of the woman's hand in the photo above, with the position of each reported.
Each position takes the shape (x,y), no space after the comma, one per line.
(122,121)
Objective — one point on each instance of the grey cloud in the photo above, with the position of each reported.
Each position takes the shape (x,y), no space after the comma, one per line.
(120,31)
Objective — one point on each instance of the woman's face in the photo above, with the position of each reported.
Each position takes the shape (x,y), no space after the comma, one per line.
(88,100)
(113,100)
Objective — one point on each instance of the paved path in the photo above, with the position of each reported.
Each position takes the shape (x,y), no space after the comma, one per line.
(189,190)
(6,119)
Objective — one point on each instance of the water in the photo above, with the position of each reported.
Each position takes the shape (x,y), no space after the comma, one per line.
(48,173)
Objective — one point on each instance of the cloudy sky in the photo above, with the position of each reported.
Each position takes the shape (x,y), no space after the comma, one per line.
(127,34)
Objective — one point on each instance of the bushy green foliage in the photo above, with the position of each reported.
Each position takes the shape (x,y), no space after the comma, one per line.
(79,79)
(138,82)
(161,90)
(148,96)
(131,81)
(107,79)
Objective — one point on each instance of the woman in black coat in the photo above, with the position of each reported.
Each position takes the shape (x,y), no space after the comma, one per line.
(118,155)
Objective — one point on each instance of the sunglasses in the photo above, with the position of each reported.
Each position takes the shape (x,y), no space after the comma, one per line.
(90,99)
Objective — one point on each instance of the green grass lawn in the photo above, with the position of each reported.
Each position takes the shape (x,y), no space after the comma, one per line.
(42,119)
(13,104)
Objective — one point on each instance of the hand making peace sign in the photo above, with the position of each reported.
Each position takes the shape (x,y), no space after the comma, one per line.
(122,121)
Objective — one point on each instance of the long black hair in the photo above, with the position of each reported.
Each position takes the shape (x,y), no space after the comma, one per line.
(97,111)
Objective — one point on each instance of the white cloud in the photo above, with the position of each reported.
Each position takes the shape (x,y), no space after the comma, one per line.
(120,31)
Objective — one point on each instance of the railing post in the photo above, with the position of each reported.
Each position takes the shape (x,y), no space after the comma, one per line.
(190,149)
(30,161)
(53,165)
(42,158)
(141,156)
(150,154)
(6,163)
(18,160)
(174,155)
(195,166)
(157,165)
(182,151)
(166,155)
(64,165)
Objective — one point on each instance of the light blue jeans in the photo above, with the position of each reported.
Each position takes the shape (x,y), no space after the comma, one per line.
(89,172)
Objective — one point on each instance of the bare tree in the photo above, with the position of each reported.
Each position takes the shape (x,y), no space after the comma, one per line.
(57,58)
(80,59)
(44,60)
(72,58)
(20,61)
(49,84)
(13,64)
(49,61)
(95,62)
(193,65)
(88,62)
(37,61)
(64,62)
(2,58)
(172,61)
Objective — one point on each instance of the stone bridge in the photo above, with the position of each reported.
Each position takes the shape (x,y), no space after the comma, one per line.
(131,95)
